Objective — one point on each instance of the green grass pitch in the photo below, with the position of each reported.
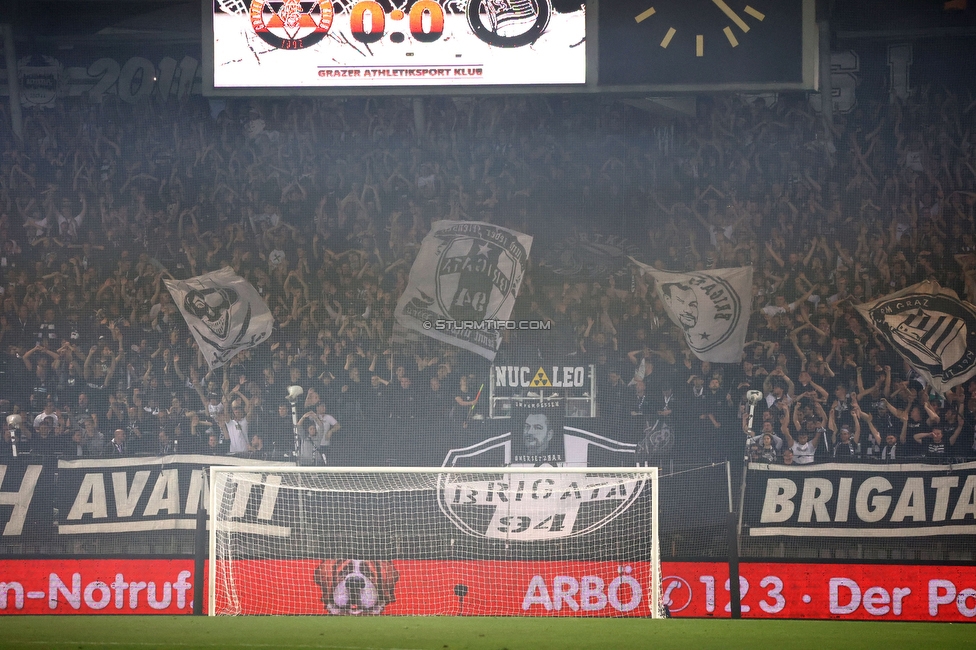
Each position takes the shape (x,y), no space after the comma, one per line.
(440,633)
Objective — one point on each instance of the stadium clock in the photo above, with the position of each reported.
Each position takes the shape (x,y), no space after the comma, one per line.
(701,41)
(703,25)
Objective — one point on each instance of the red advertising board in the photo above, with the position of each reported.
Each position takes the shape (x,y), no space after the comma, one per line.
(825,591)
(96,586)
(430,588)
(693,589)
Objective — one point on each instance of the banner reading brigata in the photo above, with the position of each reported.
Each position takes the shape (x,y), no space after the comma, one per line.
(860,500)
(466,271)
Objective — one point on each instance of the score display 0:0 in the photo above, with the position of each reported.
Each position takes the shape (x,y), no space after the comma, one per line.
(377,21)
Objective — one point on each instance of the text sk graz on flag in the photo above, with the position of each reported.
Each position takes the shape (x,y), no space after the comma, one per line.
(931,328)
(224,313)
(711,307)
(465,271)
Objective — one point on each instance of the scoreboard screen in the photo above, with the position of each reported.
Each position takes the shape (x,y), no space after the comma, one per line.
(390,43)
(357,47)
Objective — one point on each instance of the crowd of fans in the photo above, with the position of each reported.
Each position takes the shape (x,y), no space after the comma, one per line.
(321,205)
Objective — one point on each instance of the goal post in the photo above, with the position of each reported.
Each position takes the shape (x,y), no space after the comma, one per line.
(501,541)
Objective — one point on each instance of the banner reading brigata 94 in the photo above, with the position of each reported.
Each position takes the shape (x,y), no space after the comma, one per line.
(370,43)
(465,274)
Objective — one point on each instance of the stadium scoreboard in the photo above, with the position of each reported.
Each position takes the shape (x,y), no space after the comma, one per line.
(321,47)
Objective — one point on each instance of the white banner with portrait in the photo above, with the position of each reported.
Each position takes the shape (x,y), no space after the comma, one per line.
(711,307)
(224,313)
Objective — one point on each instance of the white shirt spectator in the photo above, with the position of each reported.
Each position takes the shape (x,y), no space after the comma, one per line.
(237,432)
(323,428)
(803,454)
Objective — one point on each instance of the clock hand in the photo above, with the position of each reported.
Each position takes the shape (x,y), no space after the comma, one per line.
(729,35)
(734,17)
(668,37)
(758,15)
(644,15)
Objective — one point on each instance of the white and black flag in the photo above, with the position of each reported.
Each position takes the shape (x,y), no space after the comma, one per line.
(711,307)
(224,313)
(466,273)
(931,328)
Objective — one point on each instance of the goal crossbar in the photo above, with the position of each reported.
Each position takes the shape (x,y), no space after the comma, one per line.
(294,469)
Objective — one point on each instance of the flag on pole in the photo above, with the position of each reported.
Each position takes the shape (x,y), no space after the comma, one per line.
(711,307)
(931,328)
(224,313)
(466,275)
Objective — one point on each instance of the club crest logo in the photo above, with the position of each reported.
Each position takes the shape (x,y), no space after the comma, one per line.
(290,24)
(515,506)
(936,333)
(509,23)
(40,80)
(476,277)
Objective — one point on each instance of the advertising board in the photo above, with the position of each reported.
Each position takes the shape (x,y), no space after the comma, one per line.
(891,592)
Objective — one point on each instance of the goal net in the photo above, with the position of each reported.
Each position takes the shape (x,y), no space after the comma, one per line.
(401,541)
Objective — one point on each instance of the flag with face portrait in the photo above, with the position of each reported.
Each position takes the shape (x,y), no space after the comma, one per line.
(224,313)
(931,328)
(711,307)
(465,274)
